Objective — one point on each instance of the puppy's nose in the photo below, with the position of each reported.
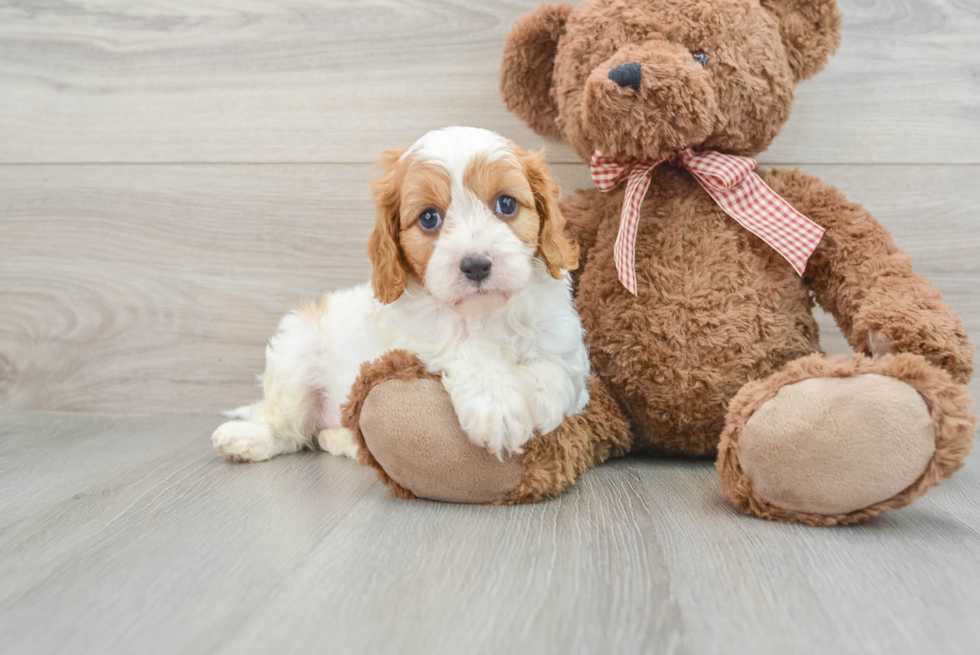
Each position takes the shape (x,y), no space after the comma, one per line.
(627,75)
(476,268)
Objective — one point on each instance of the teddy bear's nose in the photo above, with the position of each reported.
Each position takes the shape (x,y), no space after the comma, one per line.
(627,75)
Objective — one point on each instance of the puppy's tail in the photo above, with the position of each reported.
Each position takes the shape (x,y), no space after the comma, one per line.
(244,412)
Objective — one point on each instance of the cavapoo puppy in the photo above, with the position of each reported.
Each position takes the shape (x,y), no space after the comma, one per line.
(470,273)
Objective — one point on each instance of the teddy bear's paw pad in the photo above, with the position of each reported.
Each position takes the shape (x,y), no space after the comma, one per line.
(837,445)
(412,431)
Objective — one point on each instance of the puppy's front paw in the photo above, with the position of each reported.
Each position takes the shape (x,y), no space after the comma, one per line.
(549,411)
(244,441)
(500,422)
(555,395)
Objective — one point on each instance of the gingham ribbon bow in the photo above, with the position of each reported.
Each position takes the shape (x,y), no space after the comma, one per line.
(733,184)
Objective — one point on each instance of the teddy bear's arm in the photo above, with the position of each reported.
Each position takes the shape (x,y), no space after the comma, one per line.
(867,283)
(401,418)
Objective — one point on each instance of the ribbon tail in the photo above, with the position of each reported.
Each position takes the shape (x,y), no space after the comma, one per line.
(624,251)
(767,215)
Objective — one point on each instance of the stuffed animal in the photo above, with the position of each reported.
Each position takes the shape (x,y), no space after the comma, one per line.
(696,282)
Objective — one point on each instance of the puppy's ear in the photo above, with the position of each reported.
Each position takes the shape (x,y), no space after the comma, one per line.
(810,31)
(389,277)
(555,249)
(529,63)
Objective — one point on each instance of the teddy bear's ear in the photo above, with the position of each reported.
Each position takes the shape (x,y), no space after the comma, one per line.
(529,61)
(810,30)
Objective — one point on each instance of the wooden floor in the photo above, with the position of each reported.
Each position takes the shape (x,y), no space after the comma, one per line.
(127,535)
(174,176)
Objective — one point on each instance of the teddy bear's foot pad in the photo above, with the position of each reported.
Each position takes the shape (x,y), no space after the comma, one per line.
(839,444)
(411,430)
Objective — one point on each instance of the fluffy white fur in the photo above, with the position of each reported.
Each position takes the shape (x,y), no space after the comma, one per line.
(510,350)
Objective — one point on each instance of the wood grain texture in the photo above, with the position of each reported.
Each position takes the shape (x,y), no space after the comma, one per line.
(122,535)
(154,288)
(218,165)
(338,80)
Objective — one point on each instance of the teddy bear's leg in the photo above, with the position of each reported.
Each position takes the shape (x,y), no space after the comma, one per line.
(835,441)
(403,423)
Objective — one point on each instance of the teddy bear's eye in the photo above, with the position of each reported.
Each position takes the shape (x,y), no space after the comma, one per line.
(700,57)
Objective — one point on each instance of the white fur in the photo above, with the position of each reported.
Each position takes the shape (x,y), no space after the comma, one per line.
(510,350)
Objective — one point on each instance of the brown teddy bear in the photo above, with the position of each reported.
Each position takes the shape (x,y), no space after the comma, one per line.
(704,343)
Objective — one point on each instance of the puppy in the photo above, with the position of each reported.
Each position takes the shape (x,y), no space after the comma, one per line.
(470,273)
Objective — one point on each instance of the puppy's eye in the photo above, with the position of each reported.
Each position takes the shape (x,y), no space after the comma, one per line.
(506,206)
(430,220)
(700,57)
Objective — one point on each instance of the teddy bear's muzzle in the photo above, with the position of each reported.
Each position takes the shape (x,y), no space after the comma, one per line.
(648,101)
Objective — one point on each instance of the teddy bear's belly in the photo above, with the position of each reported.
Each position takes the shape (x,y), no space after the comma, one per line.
(716,308)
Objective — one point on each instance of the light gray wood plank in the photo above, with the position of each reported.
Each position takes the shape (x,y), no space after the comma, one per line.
(154,288)
(168,548)
(336,81)
(165,270)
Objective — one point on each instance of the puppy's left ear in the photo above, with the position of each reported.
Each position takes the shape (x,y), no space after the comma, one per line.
(389,277)
(556,250)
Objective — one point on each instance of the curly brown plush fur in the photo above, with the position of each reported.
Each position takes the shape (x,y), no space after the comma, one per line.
(737,103)
(721,323)
(716,308)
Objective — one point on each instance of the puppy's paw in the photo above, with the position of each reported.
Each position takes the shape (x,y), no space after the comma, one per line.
(338,442)
(555,396)
(245,441)
(548,412)
(500,421)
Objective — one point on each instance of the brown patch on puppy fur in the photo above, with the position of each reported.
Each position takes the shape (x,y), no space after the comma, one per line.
(504,176)
(314,309)
(389,276)
(417,246)
(398,247)
(425,186)
(555,249)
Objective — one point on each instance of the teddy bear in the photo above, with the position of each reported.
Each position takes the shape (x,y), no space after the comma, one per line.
(697,280)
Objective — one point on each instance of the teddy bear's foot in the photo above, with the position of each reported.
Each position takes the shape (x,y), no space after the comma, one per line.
(404,425)
(832,441)
(411,430)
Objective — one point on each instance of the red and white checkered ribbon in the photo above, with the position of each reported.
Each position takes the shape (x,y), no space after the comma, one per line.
(733,184)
